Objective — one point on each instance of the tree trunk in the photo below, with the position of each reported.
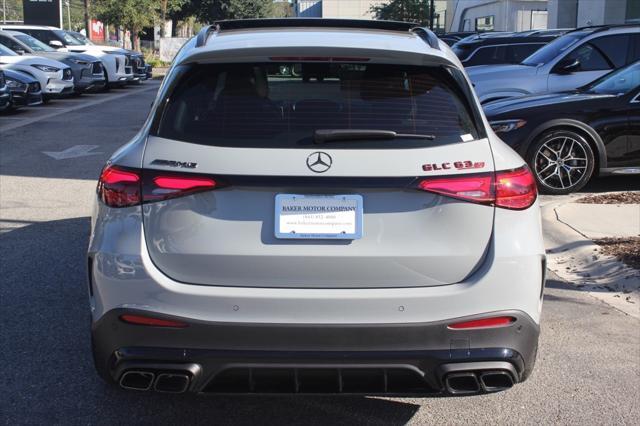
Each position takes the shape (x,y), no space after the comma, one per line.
(135,34)
(163,17)
(87,19)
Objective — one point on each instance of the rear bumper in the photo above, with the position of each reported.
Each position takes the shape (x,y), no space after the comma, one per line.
(247,328)
(399,359)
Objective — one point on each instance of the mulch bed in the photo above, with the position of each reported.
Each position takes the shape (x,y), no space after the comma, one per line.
(613,198)
(625,249)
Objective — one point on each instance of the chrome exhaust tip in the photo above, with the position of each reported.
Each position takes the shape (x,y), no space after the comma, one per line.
(495,381)
(172,382)
(462,383)
(137,380)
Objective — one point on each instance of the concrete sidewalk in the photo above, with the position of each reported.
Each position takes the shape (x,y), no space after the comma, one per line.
(597,221)
(569,229)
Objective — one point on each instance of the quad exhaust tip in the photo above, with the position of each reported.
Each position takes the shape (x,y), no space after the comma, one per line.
(172,383)
(137,380)
(470,382)
(495,381)
(162,382)
(463,383)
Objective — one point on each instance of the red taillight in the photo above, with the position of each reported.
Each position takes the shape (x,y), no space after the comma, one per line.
(183,183)
(123,187)
(511,189)
(483,323)
(515,189)
(477,188)
(163,187)
(155,322)
(119,187)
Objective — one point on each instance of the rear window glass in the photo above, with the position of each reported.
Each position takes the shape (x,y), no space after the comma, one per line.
(281,105)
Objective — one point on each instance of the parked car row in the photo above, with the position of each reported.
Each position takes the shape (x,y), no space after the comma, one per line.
(571,109)
(501,48)
(39,63)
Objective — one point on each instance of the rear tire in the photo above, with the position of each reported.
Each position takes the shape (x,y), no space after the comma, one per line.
(562,161)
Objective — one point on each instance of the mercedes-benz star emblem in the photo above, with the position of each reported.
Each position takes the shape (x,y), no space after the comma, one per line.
(319,162)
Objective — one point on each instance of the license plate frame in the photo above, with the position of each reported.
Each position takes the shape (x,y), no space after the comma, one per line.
(351,231)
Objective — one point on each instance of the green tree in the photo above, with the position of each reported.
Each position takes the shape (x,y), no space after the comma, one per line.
(213,10)
(77,15)
(166,8)
(13,11)
(133,15)
(403,10)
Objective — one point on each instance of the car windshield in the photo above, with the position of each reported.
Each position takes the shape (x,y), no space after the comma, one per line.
(5,51)
(282,105)
(34,43)
(553,49)
(618,82)
(69,40)
(82,39)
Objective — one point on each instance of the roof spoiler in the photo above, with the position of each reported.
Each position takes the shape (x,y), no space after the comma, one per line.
(237,24)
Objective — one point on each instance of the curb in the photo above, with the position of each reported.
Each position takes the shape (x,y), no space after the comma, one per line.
(575,258)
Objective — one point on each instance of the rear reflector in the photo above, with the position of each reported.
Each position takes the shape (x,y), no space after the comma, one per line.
(150,321)
(483,323)
(509,189)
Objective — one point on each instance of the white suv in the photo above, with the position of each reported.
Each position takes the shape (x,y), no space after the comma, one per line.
(569,62)
(316,206)
(116,69)
(55,78)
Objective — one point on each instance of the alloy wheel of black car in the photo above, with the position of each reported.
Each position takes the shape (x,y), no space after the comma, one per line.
(562,162)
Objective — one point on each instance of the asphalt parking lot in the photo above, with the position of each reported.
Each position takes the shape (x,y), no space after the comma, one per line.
(588,368)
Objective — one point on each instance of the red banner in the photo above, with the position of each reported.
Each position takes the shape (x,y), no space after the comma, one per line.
(97,30)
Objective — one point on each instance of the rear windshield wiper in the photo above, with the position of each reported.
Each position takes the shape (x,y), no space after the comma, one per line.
(334,135)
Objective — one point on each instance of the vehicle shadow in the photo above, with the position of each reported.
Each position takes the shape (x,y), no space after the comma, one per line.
(47,370)
(613,183)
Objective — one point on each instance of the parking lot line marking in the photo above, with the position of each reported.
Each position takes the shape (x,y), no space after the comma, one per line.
(73,152)
(28,121)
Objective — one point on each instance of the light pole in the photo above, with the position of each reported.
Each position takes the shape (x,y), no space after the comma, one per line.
(68,13)
(4,11)
(431,10)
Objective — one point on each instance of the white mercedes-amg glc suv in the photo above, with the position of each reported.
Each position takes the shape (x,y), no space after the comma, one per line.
(316,206)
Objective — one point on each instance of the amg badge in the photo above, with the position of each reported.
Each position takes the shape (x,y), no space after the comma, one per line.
(171,163)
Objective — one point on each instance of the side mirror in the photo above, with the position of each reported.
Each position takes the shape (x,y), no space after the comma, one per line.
(56,44)
(20,51)
(567,66)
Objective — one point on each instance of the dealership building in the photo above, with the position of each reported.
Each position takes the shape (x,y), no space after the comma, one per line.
(522,15)
(497,15)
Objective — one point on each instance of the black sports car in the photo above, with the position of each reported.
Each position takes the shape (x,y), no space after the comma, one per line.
(568,137)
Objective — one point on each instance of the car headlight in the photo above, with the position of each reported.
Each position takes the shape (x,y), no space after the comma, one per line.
(46,68)
(78,61)
(504,126)
(15,84)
